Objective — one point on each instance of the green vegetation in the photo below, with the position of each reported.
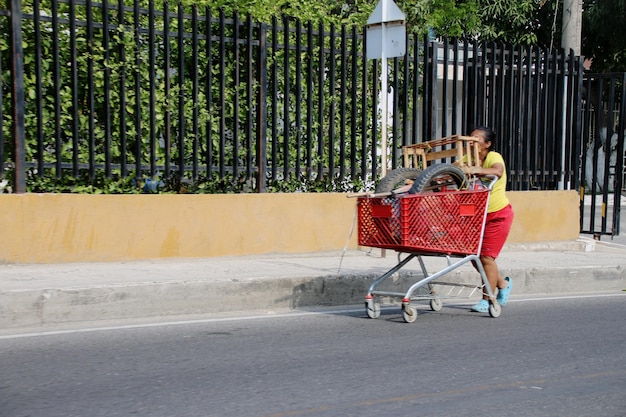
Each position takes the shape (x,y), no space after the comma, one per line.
(512,21)
(526,22)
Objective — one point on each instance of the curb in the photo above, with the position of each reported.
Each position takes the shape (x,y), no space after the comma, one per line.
(37,308)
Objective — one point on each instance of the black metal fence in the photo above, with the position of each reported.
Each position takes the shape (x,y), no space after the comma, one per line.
(123,90)
(603,159)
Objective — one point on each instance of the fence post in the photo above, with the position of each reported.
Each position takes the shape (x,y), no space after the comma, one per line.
(261,134)
(17,58)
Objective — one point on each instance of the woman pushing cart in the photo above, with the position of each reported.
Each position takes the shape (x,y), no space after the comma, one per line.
(499,216)
(472,222)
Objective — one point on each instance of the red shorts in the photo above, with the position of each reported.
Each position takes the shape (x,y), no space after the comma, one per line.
(497,228)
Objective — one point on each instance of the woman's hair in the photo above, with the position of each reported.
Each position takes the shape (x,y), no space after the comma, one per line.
(490,135)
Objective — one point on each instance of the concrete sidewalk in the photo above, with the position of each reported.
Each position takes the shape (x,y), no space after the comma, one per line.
(42,296)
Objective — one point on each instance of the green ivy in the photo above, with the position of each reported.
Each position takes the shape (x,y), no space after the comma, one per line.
(123,134)
(85,183)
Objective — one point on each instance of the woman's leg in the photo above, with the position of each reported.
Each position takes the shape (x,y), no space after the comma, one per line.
(495,279)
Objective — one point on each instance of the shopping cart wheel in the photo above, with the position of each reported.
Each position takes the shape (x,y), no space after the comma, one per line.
(409,314)
(436,304)
(495,309)
(372,308)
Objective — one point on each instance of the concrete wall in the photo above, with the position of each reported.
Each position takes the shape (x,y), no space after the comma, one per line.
(54,228)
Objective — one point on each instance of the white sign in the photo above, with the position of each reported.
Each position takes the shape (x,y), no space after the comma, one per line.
(386,31)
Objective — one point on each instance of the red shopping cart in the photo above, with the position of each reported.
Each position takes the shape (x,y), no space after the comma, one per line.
(449,224)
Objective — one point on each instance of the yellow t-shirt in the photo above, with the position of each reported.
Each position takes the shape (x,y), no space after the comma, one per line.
(497,198)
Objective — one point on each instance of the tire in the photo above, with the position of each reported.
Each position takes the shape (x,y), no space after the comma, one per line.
(438,177)
(395,179)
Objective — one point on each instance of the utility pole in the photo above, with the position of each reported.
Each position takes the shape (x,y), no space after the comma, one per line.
(571,31)
(571,40)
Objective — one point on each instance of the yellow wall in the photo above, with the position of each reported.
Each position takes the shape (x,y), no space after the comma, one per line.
(49,228)
(542,216)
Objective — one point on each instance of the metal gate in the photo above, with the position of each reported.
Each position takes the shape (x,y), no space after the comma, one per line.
(603,159)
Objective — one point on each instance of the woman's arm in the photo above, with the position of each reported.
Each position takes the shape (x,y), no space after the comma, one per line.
(496,169)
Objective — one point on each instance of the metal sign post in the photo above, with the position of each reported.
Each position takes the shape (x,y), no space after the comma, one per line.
(386,38)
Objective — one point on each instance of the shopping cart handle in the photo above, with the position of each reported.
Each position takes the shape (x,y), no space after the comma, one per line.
(494,179)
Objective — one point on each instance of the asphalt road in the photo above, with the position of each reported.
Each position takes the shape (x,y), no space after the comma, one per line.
(559,356)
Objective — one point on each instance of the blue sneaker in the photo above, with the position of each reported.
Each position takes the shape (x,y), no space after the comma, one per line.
(481,307)
(503,294)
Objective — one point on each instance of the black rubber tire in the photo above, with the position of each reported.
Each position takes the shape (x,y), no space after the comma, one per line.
(396,178)
(437,176)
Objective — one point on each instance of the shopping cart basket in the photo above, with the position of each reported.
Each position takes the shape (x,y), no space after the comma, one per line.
(449,224)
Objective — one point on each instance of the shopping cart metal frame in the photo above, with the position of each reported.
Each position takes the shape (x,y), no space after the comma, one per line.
(427,246)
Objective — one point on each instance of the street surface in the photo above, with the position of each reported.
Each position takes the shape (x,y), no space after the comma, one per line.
(558,356)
